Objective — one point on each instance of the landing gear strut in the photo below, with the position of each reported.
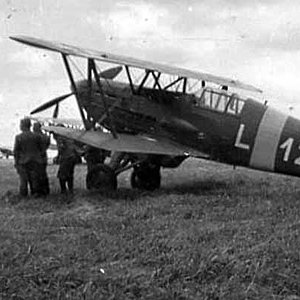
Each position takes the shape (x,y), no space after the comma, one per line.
(146,176)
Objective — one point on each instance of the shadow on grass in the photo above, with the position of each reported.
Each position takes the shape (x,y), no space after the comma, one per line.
(193,188)
(205,187)
(56,201)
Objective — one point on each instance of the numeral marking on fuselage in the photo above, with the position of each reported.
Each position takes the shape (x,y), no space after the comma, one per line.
(297,160)
(287,146)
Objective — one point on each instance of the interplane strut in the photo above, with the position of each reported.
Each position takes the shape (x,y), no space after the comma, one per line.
(73,84)
(94,70)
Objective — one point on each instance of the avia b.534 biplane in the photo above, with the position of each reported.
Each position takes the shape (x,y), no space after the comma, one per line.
(166,115)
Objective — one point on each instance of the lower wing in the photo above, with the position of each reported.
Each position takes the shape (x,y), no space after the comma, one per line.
(126,142)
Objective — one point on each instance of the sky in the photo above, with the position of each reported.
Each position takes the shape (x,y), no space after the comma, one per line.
(257,42)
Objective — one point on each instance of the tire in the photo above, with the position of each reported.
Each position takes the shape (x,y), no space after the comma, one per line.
(146,178)
(101,177)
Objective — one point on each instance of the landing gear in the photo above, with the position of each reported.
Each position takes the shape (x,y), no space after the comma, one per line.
(146,177)
(101,177)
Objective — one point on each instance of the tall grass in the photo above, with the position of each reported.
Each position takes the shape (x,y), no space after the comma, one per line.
(210,232)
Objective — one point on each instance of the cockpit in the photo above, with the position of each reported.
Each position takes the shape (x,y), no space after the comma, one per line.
(219,100)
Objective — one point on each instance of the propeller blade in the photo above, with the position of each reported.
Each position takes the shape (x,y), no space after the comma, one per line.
(55,113)
(50,103)
(111,73)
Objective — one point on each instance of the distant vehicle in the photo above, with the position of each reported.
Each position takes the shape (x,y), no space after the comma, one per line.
(163,115)
(6,152)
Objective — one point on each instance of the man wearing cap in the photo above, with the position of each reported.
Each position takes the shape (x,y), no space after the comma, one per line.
(28,159)
(44,181)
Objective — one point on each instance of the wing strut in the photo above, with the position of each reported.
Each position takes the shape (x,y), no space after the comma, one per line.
(156,80)
(184,85)
(172,83)
(143,81)
(90,84)
(64,56)
(111,123)
(130,79)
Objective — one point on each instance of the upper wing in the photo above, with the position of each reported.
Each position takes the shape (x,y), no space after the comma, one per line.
(125,142)
(138,63)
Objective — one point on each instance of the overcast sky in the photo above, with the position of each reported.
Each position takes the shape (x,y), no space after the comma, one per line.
(256,41)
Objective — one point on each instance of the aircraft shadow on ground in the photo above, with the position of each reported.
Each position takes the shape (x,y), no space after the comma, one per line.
(205,187)
(194,188)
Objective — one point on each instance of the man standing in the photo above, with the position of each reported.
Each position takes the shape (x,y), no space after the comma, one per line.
(67,158)
(45,143)
(28,160)
(94,156)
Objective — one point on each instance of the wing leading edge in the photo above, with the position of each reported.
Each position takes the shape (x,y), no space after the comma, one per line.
(125,142)
(129,61)
(73,123)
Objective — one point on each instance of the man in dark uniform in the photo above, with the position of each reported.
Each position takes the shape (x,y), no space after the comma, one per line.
(67,158)
(28,160)
(46,143)
(94,156)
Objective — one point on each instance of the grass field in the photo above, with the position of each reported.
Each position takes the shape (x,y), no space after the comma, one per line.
(210,232)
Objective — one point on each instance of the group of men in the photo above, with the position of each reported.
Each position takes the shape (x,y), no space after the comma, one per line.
(30,154)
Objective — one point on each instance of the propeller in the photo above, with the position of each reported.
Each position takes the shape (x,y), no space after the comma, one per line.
(50,103)
(110,73)
(55,113)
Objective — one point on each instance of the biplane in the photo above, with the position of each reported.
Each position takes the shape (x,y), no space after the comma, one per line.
(151,116)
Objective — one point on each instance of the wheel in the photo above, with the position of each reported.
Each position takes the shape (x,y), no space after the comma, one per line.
(101,177)
(146,177)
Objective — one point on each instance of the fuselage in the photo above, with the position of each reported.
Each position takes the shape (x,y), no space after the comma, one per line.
(229,129)
(268,140)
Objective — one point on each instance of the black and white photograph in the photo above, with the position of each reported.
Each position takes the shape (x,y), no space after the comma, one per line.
(150,149)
